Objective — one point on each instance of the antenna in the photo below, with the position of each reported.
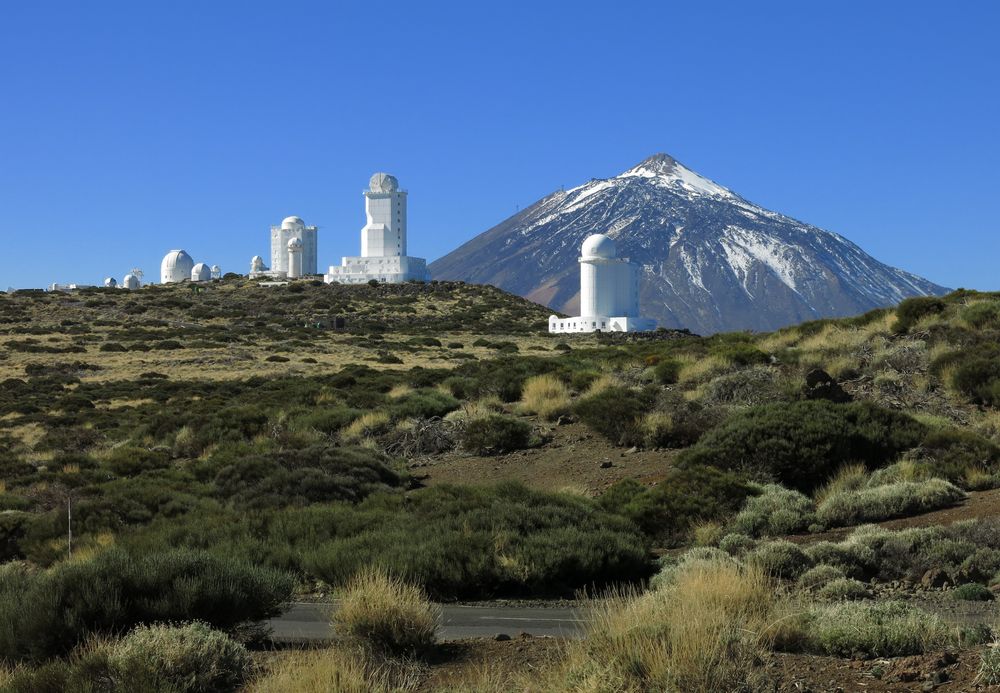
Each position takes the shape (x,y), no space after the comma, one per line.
(137,272)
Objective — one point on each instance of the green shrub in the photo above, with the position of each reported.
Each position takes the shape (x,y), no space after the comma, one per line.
(842,589)
(423,404)
(818,576)
(801,444)
(972,592)
(615,413)
(475,541)
(781,559)
(495,435)
(190,657)
(875,629)
(975,372)
(684,498)
(883,502)
(667,371)
(855,560)
(737,544)
(47,614)
(912,310)
(774,512)
(982,314)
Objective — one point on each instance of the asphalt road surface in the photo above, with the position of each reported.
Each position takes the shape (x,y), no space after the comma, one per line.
(306,622)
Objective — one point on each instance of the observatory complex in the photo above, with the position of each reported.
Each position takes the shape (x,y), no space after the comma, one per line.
(293,251)
(178,266)
(609,292)
(383,240)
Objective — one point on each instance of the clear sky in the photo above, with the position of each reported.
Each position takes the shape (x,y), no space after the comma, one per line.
(130,128)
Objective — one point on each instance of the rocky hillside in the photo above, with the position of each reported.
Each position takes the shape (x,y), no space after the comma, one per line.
(712,261)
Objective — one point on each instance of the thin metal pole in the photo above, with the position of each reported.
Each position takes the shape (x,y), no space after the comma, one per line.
(69,523)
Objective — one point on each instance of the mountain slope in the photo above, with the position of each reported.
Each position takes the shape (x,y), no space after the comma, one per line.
(711,261)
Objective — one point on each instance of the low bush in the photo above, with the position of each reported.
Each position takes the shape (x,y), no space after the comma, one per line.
(801,444)
(774,512)
(781,559)
(989,666)
(842,589)
(975,372)
(47,614)
(496,434)
(615,413)
(912,310)
(869,629)
(972,592)
(818,576)
(883,502)
(737,545)
(684,498)
(190,657)
(853,559)
(386,614)
(472,541)
(667,371)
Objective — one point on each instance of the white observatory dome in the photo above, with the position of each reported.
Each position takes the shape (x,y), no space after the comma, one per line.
(295,244)
(130,282)
(110,283)
(292,223)
(383,183)
(599,246)
(201,273)
(176,267)
(216,272)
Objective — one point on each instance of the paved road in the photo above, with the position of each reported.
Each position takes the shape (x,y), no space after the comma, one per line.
(306,622)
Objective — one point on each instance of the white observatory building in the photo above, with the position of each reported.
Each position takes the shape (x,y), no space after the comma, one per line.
(293,227)
(177,266)
(383,240)
(609,292)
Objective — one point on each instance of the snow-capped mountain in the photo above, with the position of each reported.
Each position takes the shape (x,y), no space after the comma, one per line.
(711,261)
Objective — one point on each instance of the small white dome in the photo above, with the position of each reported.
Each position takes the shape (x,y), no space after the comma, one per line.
(292,223)
(383,183)
(130,282)
(216,268)
(295,244)
(110,282)
(176,267)
(200,273)
(600,246)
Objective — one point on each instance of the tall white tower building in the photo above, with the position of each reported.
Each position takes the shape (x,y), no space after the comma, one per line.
(609,292)
(295,253)
(383,240)
(293,227)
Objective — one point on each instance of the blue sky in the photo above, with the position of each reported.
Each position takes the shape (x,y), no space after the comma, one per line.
(130,128)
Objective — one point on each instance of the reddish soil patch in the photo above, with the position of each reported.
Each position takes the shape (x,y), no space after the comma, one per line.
(942,671)
(575,458)
(467,661)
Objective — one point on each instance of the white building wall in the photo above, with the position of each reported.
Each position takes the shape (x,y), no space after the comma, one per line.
(384,234)
(280,235)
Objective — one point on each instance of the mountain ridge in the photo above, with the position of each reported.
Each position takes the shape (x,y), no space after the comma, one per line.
(711,260)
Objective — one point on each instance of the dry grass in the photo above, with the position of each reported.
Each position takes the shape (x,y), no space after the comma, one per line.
(695,370)
(545,395)
(386,614)
(848,478)
(600,384)
(705,632)
(365,426)
(401,390)
(333,670)
(477,409)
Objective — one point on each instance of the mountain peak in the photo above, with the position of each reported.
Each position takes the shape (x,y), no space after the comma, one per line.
(670,172)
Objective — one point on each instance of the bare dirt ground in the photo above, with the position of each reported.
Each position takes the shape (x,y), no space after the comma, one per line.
(468,661)
(575,460)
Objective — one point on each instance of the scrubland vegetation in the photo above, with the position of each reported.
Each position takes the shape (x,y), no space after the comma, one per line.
(202,503)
